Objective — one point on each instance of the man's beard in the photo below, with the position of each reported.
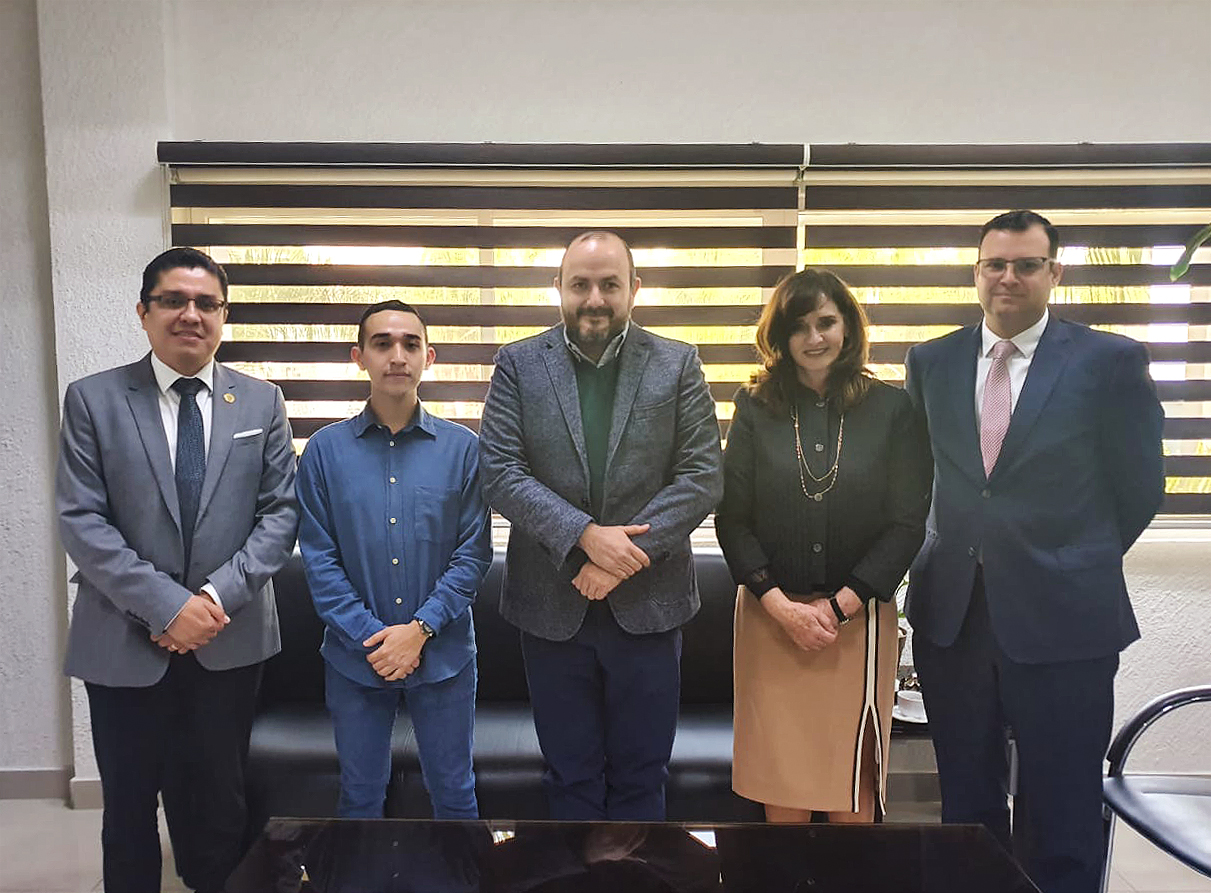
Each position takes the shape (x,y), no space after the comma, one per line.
(593,337)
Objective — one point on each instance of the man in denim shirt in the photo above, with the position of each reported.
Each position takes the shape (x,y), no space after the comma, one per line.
(396,538)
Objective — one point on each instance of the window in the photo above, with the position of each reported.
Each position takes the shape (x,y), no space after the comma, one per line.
(472,234)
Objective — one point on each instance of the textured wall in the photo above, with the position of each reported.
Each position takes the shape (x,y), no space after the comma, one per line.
(1169,575)
(115,76)
(33,707)
(104,108)
(899,71)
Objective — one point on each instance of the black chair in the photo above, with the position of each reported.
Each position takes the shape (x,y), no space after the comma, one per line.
(1172,811)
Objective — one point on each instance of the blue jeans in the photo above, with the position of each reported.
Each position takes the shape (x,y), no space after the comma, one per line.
(443,717)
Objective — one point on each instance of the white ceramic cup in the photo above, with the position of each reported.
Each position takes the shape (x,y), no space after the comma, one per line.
(911,705)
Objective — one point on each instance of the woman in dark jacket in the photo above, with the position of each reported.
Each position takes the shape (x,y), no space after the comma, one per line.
(826,489)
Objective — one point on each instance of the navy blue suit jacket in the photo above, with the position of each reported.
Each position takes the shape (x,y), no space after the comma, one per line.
(1078,478)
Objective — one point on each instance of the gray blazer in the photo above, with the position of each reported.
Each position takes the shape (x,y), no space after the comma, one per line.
(116,499)
(663,467)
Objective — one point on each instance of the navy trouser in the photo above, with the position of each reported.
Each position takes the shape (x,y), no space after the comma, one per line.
(443,718)
(186,739)
(1060,715)
(605,709)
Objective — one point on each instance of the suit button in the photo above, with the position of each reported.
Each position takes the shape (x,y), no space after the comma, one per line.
(817,547)
(986,493)
(971,550)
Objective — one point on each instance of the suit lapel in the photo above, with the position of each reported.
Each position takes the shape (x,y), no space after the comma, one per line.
(631,363)
(563,382)
(144,400)
(223,416)
(962,390)
(1048,362)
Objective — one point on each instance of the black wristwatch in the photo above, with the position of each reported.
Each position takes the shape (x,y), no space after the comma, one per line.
(425,628)
(842,618)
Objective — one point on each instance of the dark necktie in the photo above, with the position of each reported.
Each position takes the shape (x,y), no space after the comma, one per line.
(191,458)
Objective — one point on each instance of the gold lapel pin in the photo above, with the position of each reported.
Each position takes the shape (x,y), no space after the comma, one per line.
(229,397)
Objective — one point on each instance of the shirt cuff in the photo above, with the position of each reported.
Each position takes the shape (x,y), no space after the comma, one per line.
(431,617)
(214,595)
(863,590)
(760,582)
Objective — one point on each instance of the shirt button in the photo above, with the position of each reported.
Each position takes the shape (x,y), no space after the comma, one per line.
(817,547)
(399,601)
(392,520)
(820,403)
(986,493)
(395,561)
(391,479)
(971,550)
(390,443)
(819,448)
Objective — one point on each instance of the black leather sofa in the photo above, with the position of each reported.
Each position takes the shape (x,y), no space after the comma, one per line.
(292,758)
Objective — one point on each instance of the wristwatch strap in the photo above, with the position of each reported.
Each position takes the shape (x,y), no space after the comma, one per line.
(841,616)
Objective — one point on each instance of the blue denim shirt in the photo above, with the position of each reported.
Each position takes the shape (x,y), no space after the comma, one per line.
(394,527)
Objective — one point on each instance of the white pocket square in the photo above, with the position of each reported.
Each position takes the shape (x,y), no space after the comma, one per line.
(249,433)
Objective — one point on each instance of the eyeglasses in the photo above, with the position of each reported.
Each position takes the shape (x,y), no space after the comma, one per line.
(1022,266)
(207,305)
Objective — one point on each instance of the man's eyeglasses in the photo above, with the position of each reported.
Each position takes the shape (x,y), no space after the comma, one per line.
(206,304)
(1022,266)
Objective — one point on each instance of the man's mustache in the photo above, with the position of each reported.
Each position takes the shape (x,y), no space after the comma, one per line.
(607,312)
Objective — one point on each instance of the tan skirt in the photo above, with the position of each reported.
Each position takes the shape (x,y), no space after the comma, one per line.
(800,716)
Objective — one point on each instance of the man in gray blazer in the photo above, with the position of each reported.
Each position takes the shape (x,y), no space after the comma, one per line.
(175,494)
(600,445)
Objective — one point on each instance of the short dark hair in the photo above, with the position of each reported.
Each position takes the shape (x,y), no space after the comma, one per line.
(1020,221)
(176,258)
(392,304)
(795,296)
(599,234)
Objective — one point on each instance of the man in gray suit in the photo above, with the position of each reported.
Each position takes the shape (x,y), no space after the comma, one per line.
(175,494)
(600,445)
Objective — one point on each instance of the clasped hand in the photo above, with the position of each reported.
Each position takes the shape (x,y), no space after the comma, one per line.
(594,583)
(397,650)
(195,625)
(611,549)
(811,625)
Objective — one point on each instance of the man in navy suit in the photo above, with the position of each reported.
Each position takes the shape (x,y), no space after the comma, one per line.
(1046,438)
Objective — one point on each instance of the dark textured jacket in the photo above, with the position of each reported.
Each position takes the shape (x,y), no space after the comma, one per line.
(663,468)
(863,533)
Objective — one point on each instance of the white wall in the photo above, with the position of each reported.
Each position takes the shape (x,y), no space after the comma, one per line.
(33,704)
(907,71)
(1168,573)
(81,209)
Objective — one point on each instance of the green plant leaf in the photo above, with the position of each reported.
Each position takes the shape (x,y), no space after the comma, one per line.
(1178,270)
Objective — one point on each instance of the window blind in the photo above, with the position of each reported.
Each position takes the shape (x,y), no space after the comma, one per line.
(471,234)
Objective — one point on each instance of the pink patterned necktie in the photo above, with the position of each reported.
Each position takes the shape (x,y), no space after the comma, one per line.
(997,406)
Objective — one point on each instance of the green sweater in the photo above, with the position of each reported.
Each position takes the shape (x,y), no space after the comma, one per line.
(596,389)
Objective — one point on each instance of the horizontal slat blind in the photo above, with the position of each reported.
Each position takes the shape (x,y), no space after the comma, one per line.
(900,224)
(476,249)
(471,234)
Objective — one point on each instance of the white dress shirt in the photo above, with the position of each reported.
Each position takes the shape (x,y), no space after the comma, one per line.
(1018,364)
(170,405)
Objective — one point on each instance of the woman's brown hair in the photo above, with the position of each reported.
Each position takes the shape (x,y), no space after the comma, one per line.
(795,296)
